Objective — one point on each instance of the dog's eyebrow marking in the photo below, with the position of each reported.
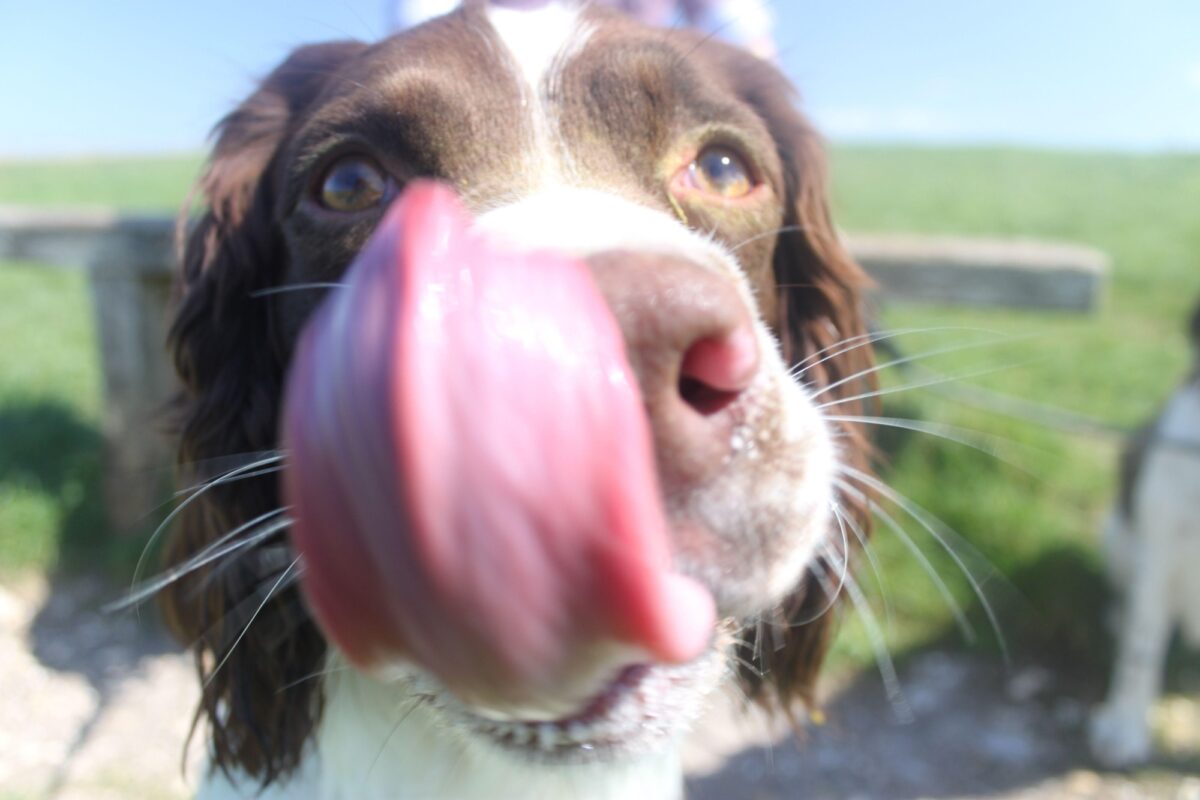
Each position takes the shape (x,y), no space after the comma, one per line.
(535,39)
(540,43)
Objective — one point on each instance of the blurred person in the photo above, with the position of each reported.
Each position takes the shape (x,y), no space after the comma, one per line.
(746,23)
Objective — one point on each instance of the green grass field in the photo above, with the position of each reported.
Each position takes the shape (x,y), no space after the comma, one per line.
(50,442)
(1030,517)
(131,184)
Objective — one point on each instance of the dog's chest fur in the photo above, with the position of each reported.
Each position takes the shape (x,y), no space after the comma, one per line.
(400,750)
(1167,497)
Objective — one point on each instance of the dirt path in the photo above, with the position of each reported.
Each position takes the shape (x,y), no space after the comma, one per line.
(969,730)
(94,707)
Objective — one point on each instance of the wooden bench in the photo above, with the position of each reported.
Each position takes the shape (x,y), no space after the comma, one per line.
(130,261)
(992,273)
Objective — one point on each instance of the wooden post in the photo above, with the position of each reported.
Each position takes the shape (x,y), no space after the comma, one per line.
(130,274)
(130,266)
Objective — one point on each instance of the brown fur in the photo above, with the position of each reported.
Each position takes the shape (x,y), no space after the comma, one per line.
(231,350)
(232,370)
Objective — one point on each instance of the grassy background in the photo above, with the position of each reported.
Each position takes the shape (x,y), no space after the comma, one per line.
(1030,516)
(131,184)
(51,512)
(1034,516)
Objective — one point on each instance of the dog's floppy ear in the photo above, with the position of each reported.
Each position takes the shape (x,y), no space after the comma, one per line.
(820,290)
(232,374)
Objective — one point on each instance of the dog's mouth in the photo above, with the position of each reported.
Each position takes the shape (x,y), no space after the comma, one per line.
(473,462)
(642,709)
(471,459)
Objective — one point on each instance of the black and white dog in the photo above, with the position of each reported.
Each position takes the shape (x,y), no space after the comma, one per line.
(1152,547)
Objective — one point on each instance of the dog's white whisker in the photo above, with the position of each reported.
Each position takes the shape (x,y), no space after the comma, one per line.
(949,541)
(195,465)
(294,567)
(750,665)
(312,676)
(839,561)
(897,362)
(257,474)
(296,287)
(166,523)
(416,702)
(758,643)
(986,443)
(217,466)
(220,548)
(768,235)
(852,343)
(883,659)
(868,550)
(960,617)
(941,379)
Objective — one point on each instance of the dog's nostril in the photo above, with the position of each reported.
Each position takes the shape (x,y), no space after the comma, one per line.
(705,399)
(715,371)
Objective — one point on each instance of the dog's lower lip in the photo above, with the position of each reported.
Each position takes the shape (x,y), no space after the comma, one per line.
(624,714)
(601,704)
(599,707)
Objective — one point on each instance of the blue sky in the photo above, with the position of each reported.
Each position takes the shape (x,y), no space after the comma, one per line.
(86,76)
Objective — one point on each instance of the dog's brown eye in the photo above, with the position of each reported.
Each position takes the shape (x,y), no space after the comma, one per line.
(353,183)
(722,172)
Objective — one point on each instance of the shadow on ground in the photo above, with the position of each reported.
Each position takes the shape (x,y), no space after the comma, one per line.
(965,725)
(48,449)
(964,728)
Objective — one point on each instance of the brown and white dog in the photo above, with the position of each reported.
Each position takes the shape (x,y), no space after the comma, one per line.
(678,170)
(1152,548)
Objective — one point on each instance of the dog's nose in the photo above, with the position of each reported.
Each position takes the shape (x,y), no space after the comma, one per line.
(690,340)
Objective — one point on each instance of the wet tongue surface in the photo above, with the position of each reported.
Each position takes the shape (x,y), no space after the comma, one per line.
(471,475)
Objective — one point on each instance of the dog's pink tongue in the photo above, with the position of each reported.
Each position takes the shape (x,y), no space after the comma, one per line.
(470,469)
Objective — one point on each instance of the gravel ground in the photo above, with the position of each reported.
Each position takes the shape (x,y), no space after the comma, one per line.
(94,707)
(965,729)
